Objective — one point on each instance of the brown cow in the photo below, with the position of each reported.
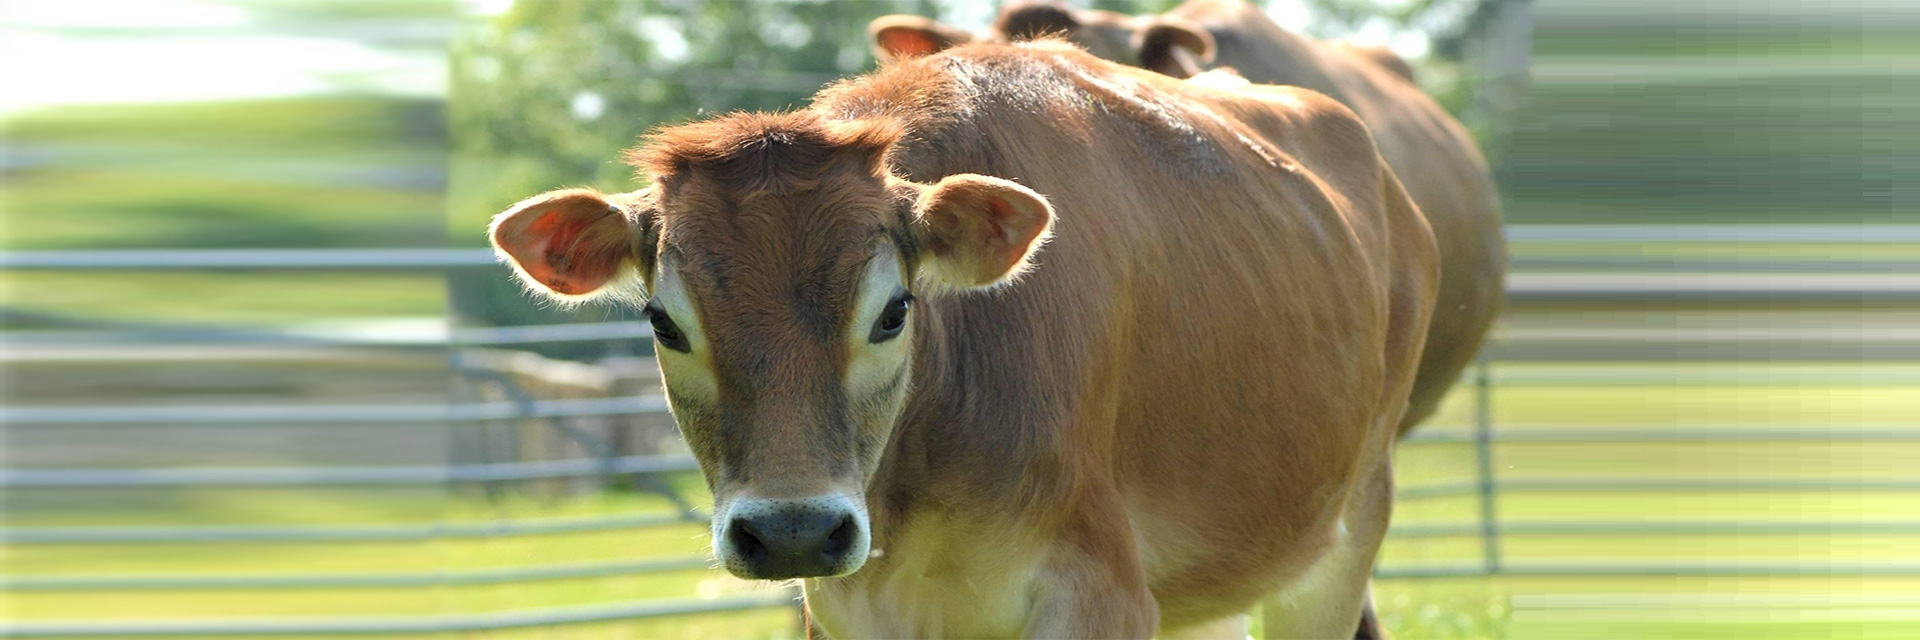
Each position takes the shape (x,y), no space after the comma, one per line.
(1429,150)
(1158,395)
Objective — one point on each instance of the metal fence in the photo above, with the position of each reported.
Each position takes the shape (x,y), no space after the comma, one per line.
(1677,282)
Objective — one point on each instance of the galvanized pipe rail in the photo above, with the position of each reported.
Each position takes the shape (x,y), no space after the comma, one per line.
(355,580)
(343,533)
(331,413)
(1694,528)
(401,624)
(1851,570)
(338,476)
(402,259)
(1646,435)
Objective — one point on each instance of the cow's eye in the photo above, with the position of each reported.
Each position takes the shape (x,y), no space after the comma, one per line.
(892,320)
(665,332)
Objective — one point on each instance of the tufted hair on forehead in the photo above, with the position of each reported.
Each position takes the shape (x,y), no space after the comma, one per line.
(765,150)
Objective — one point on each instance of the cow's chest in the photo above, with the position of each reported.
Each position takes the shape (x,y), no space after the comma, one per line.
(937,577)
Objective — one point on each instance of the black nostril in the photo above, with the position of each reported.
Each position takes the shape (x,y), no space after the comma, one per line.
(779,539)
(840,539)
(745,543)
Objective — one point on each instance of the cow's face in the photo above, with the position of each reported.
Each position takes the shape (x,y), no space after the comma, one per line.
(784,273)
(1164,43)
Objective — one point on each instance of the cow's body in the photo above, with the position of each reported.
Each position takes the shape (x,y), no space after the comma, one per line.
(1433,155)
(1192,396)
(1429,150)
(1184,408)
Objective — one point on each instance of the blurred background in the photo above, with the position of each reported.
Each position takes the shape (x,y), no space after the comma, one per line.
(262,379)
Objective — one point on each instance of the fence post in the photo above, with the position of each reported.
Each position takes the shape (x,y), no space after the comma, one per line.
(1483,454)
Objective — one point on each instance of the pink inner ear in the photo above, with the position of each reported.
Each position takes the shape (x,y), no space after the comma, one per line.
(561,251)
(1000,214)
(1010,229)
(903,42)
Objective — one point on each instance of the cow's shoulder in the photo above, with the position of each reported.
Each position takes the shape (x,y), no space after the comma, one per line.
(1321,132)
(1308,109)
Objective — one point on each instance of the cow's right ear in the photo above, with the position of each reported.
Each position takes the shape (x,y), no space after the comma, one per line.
(1173,46)
(576,244)
(899,37)
(975,232)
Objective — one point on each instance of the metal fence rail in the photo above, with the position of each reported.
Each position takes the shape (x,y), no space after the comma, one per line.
(403,625)
(436,336)
(1713,288)
(406,259)
(1635,434)
(535,573)
(1655,485)
(1851,570)
(1708,528)
(1714,233)
(348,533)
(332,413)
(336,476)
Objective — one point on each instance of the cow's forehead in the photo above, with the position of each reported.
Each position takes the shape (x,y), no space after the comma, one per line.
(756,282)
(797,240)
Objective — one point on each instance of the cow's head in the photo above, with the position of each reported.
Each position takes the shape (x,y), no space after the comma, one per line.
(1164,43)
(783,268)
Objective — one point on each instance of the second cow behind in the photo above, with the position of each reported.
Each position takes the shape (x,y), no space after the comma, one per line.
(1431,152)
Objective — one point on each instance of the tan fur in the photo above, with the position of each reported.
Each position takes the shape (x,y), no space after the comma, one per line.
(1184,407)
(1428,149)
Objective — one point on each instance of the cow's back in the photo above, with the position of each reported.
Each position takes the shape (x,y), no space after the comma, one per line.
(1431,152)
(1234,296)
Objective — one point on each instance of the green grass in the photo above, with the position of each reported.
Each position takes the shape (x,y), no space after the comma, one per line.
(353,126)
(115,208)
(228,298)
(305,173)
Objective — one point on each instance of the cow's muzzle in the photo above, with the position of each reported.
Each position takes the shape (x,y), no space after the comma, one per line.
(779,538)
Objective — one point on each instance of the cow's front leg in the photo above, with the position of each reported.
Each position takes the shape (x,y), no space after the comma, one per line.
(1092,585)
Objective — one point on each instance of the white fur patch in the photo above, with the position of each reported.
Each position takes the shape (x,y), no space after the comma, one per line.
(688,375)
(939,579)
(872,366)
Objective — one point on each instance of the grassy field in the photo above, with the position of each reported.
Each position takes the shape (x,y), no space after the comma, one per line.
(1719,606)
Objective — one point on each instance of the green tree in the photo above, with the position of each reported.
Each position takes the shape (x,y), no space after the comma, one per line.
(547,94)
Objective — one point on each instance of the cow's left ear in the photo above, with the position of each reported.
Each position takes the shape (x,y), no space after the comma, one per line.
(1173,46)
(976,232)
